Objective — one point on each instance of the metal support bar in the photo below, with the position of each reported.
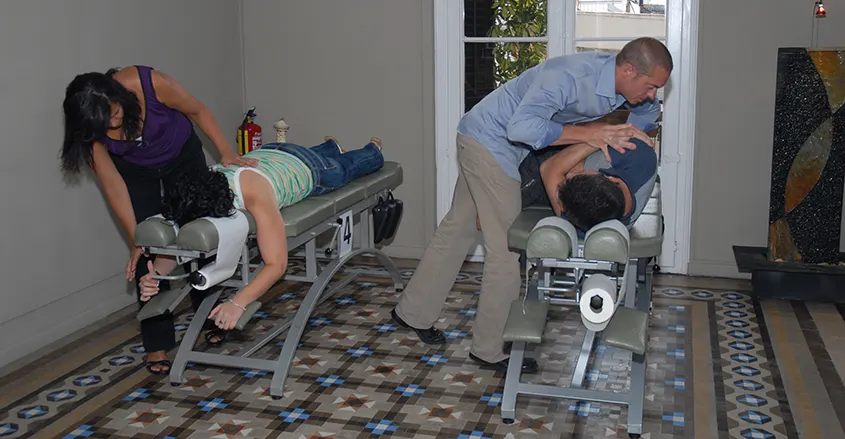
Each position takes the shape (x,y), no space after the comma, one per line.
(636,283)
(316,295)
(583,359)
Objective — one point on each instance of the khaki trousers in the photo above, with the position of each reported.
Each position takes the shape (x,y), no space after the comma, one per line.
(483,189)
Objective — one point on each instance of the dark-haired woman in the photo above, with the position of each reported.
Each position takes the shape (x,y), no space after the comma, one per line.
(133,128)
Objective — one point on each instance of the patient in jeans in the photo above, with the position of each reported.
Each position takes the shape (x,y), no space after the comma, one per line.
(285,174)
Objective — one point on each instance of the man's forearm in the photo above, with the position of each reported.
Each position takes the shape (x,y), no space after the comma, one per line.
(572,134)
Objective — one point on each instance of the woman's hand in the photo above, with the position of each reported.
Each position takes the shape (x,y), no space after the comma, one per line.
(617,137)
(235,159)
(133,262)
(149,286)
(226,315)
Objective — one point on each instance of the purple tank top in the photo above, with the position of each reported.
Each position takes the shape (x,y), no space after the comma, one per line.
(164,130)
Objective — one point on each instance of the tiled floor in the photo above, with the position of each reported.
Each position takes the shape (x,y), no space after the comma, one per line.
(719,365)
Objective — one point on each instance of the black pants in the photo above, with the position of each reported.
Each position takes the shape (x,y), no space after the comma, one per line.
(146,189)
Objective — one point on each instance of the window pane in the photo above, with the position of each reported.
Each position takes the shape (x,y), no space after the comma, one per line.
(505,18)
(489,65)
(618,18)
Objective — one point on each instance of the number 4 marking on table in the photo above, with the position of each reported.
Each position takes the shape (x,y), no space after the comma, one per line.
(345,234)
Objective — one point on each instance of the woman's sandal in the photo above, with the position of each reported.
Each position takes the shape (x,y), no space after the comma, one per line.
(211,334)
(162,371)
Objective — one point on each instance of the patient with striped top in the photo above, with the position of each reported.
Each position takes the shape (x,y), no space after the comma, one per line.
(285,174)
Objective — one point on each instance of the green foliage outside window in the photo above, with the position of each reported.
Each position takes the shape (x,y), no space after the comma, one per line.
(518,18)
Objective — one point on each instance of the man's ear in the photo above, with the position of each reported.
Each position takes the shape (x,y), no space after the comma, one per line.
(629,70)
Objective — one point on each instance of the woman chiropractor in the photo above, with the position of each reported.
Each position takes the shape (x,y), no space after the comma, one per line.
(133,128)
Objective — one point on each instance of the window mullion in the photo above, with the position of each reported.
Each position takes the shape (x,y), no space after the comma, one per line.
(613,39)
(570,8)
(506,39)
(555,26)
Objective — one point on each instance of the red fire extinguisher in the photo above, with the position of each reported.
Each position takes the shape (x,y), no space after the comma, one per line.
(249,133)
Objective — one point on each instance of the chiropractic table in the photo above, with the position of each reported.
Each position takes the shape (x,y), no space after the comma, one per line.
(304,222)
(609,255)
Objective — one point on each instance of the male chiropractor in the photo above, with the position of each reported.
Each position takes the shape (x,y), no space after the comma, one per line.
(537,109)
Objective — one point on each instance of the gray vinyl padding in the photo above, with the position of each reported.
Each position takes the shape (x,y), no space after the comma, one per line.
(200,234)
(646,233)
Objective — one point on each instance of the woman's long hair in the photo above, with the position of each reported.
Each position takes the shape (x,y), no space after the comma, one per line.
(87,108)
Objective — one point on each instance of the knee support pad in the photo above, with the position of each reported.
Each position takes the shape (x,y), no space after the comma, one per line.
(607,241)
(155,231)
(552,237)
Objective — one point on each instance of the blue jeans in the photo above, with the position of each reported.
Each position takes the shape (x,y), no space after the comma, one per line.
(332,169)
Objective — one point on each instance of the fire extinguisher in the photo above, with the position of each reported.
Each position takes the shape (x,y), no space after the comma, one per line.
(249,133)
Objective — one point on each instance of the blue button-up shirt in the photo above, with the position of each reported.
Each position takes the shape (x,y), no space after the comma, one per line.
(530,111)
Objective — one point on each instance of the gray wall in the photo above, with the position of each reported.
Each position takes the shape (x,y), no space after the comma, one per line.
(736,95)
(352,70)
(63,256)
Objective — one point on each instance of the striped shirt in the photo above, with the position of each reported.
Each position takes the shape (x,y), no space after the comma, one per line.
(290,177)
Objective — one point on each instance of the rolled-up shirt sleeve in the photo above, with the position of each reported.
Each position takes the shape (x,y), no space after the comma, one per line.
(644,116)
(532,123)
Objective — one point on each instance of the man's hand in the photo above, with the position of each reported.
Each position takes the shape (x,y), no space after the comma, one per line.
(226,315)
(149,286)
(615,136)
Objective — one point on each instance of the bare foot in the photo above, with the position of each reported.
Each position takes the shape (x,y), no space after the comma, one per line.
(327,138)
(157,363)
(377,141)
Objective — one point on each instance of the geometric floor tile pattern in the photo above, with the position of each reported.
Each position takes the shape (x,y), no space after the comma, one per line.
(714,369)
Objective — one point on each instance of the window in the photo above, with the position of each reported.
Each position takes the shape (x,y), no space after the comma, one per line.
(502,38)
(606,25)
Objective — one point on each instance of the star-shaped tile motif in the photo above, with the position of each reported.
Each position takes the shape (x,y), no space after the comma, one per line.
(440,413)
(353,402)
(462,378)
(196,382)
(309,362)
(142,419)
(232,428)
(534,424)
(338,336)
(383,370)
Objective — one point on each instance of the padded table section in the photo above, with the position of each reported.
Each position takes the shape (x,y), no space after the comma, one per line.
(646,234)
(200,235)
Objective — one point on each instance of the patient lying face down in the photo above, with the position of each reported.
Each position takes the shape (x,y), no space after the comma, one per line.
(585,188)
(285,174)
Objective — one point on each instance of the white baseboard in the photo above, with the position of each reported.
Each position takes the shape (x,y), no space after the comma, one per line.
(47,324)
(716,269)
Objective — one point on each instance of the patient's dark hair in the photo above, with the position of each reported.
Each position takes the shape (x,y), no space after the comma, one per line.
(87,108)
(196,194)
(589,199)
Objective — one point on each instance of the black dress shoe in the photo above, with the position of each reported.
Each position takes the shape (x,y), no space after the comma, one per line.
(428,336)
(529,365)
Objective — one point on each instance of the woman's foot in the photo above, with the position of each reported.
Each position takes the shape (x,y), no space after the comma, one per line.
(157,363)
(327,138)
(215,337)
(377,141)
